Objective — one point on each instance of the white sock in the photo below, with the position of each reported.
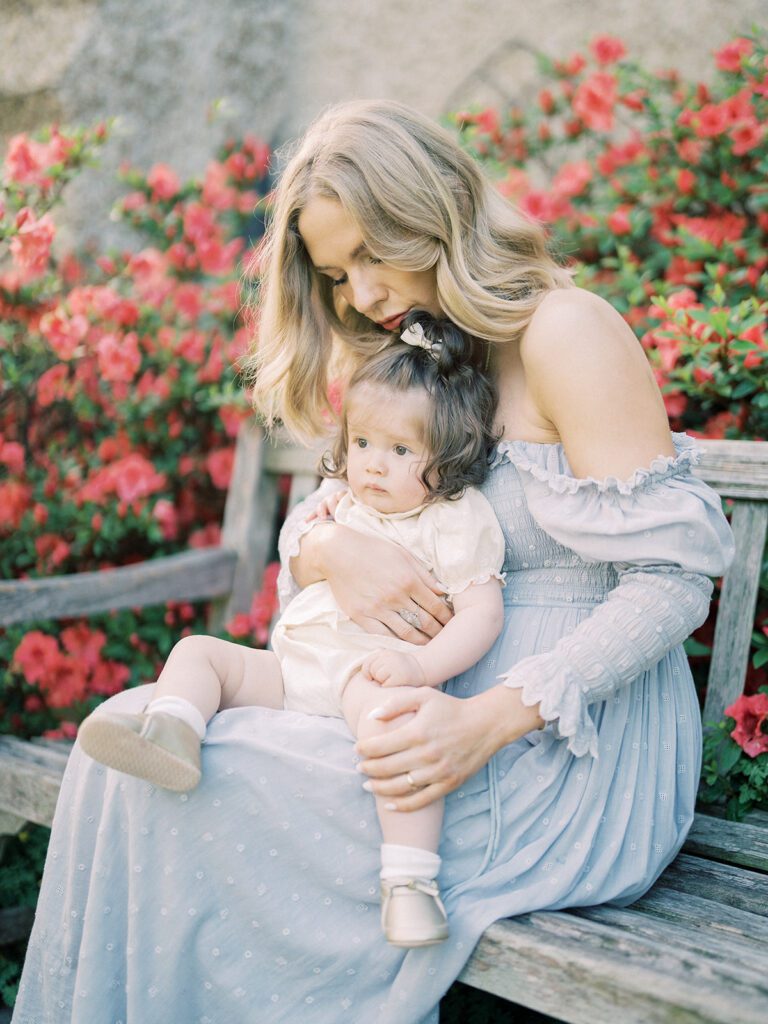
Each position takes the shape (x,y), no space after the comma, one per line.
(181,708)
(408,862)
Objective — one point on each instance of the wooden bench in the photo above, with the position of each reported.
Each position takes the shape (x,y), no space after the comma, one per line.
(694,949)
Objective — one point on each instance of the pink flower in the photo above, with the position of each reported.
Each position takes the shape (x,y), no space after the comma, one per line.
(135,477)
(84,643)
(12,456)
(607,49)
(594,101)
(746,136)
(119,358)
(51,385)
(685,181)
(219,464)
(750,714)
(164,182)
(36,655)
(619,221)
(711,120)
(728,57)
(15,499)
(572,179)
(63,333)
(31,246)
(166,515)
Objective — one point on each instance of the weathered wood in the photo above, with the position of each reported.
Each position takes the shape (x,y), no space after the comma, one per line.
(30,779)
(584,971)
(732,886)
(736,469)
(733,842)
(188,576)
(736,612)
(666,920)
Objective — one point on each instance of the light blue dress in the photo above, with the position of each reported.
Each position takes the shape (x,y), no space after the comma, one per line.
(255,897)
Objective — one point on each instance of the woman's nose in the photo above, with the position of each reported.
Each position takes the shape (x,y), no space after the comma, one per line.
(367,291)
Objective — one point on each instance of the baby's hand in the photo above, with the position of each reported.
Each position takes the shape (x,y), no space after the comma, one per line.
(394,668)
(327,507)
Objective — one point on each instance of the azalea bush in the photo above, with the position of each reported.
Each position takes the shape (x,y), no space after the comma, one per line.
(657,191)
(735,766)
(119,406)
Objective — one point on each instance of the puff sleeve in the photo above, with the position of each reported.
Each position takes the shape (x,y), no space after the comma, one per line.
(664,532)
(462,541)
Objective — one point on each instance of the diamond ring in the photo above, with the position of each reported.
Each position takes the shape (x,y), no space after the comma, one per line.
(411,781)
(412,618)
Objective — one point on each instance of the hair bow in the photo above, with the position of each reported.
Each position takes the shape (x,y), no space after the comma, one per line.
(414,335)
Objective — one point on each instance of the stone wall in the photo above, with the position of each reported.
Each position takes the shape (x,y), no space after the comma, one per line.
(160,67)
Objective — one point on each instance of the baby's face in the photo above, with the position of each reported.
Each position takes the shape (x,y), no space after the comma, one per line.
(386,454)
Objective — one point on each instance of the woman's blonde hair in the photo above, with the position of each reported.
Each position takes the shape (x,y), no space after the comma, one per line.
(420,202)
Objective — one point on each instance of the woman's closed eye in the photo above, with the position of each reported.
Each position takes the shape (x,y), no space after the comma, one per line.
(337,281)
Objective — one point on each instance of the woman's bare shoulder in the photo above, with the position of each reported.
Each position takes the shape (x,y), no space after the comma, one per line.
(568,319)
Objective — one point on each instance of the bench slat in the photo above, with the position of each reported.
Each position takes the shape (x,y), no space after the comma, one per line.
(30,779)
(724,883)
(667,923)
(736,469)
(734,842)
(542,960)
(709,916)
(188,576)
(735,618)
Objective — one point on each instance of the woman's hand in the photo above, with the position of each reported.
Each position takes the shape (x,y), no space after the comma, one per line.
(375,581)
(446,741)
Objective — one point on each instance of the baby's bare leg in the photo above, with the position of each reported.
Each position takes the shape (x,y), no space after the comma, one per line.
(406,828)
(214,674)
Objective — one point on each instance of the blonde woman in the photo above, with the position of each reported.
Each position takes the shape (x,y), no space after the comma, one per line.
(568,756)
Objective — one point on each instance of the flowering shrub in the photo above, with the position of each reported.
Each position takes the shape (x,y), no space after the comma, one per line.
(657,189)
(119,405)
(735,769)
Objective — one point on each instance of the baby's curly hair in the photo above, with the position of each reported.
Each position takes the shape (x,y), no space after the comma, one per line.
(459,431)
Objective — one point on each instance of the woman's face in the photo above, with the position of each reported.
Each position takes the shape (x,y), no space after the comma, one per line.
(376,290)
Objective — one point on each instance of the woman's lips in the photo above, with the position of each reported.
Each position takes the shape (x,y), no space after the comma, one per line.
(394,321)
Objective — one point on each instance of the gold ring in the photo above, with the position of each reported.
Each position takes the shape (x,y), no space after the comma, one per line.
(411,782)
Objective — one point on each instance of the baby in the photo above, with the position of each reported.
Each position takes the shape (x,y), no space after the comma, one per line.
(415,439)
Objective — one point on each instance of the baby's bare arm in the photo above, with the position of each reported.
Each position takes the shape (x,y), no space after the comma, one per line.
(477,622)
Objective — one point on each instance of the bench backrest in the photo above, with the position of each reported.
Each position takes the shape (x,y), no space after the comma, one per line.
(231,573)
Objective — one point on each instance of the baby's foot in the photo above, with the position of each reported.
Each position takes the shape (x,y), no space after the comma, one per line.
(158,747)
(412,913)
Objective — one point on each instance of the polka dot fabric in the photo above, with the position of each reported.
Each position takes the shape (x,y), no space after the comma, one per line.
(255,897)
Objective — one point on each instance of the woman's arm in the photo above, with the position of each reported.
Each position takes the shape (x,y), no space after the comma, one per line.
(477,621)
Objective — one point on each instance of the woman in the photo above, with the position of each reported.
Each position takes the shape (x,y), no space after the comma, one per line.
(568,756)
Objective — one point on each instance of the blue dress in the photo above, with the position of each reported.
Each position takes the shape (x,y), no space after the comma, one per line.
(255,897)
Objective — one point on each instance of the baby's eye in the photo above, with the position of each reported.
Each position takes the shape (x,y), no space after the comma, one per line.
(361,442)
(400,449)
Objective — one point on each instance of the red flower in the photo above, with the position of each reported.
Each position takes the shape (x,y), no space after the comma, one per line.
(36,655)
(572,179)
(31,247)
(15,499)
(728,58)
(607,49)
(750,714)
(163,181)
(119,357)
(594,101)
(619,221)
(219,465)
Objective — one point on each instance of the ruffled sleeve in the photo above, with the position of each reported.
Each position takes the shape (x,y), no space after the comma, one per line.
(664,531)
(293,529)
(462,541)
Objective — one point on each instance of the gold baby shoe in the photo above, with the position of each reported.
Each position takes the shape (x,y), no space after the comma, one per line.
(412,913)
(158,747)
